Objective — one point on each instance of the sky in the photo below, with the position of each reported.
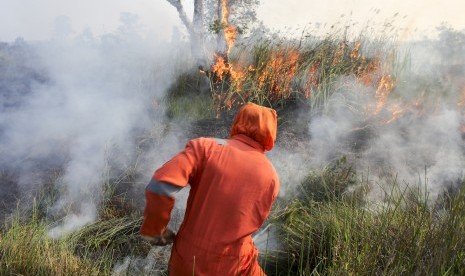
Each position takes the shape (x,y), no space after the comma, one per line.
(416,17)
(34,20)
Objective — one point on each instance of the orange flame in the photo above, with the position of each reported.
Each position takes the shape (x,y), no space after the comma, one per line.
(382,93)
(397,110)
(223,67)
(220,68)
(230,31)
(279,72)
(312,78)
(355,53)
(339,55)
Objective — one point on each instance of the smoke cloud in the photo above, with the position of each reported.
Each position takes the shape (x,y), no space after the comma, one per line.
(413,139)
(81,103)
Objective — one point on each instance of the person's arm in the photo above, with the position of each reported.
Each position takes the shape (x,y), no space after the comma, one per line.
(159,204)
(166,182)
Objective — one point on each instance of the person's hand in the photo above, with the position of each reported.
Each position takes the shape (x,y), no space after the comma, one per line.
(166,238)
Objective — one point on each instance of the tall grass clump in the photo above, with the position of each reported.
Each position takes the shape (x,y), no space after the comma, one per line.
(28,246)
(274,72)
(326,232)
(26,249)
(187,98)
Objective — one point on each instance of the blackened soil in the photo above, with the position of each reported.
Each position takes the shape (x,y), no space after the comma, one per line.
(293,121)
(9,193)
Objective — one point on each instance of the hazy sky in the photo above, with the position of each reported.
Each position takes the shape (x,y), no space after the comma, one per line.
(417,17)
(33,19)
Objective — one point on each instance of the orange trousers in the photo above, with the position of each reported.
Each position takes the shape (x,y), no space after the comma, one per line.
(188,259)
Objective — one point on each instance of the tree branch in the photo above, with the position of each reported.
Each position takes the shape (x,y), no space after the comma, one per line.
(182,14)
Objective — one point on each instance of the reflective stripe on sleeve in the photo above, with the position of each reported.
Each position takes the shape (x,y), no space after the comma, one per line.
(220,141)
(162,188)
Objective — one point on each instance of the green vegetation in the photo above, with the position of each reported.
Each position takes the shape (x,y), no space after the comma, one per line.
(27,249)
(332,233)
(186,99)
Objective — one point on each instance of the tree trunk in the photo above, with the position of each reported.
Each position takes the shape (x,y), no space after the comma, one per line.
(195,28)
(182,14)
(197,33)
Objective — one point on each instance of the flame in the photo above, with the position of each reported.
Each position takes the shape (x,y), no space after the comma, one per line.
(220,68)
(384,88)
(224,12)
(355,53)
(274,77)
(277,76)
(238,77)
(312,79)
(339,55)
(230,31)
(223,68)
(369,73)
(397,110)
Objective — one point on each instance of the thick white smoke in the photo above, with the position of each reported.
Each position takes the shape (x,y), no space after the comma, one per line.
(99,94)
(421,147)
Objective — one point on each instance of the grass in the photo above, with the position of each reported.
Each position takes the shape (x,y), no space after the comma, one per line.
(338,234)
(323,230)
(27,249)
(276,72)
(186,98)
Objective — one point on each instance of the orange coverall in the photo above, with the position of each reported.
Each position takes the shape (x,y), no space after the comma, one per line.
(233,186)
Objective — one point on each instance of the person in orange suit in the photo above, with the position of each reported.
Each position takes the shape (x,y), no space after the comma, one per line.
(233,187)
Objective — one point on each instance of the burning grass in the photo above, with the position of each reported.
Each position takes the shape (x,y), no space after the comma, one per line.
(273,73)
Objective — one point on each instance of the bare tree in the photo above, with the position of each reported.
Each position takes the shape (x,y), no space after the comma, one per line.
(194,27)
(216,18)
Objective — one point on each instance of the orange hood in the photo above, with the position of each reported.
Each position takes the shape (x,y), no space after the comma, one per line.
(258,123)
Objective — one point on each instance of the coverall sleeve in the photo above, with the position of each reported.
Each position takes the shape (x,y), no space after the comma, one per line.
(273,194)
(166,181)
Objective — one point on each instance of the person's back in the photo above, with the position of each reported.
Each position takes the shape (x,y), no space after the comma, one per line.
(233,186)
